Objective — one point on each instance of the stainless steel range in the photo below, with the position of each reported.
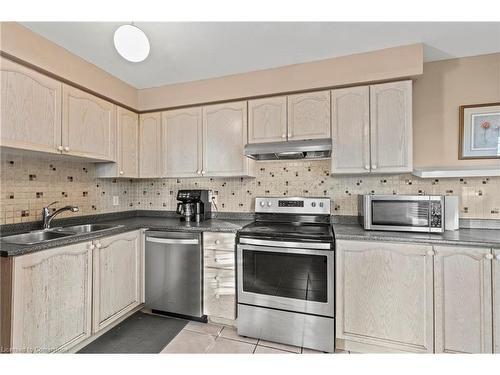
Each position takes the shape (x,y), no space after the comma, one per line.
(286,273)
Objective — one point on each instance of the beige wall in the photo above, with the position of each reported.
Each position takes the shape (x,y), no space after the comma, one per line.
(444,86)
(382,65)
(24,44)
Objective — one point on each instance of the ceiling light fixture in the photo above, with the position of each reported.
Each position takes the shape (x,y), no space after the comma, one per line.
(131,43)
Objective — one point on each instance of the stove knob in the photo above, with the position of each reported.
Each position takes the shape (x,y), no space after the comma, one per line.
(321,204)
(313,204)
(269,204)
(262,203)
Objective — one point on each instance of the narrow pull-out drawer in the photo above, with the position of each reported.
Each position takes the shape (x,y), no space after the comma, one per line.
(218,241)
(219,259)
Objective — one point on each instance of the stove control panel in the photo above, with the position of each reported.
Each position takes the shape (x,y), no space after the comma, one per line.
(293,205)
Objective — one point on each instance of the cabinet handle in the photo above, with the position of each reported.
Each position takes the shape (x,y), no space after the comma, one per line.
(202,171)
(498,257)
(217,296)
(66,149)
(374,166)
(91,246)
(283,135)
(216,277)
(60,148)
(217,242)
(367,167)
(430,253)
(289,135)
(121,172)
(489,256)
(98,245)
(198,172)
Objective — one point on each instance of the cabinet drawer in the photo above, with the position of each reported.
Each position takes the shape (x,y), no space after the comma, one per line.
(219,293)
(222,306)
(216,278)
(218,241)
(219,259)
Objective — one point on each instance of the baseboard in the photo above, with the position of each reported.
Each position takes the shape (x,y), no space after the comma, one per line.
(358,347)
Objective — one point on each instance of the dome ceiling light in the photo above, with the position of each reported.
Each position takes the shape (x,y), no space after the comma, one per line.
(131,43)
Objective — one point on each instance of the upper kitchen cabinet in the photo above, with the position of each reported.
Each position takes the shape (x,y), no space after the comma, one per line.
(30,109)
(309,115)
(391,127)
(224,138)
(351,130)
(127,164)
(182,142)
(267,120)
(150,165)
(88,125)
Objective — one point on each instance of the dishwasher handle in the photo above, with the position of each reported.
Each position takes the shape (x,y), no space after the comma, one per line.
(173,241)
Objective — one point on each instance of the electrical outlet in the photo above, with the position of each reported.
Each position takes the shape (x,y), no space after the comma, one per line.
(213,197)
(116,201)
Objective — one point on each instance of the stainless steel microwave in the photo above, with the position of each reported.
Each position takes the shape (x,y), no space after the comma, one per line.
(409,213)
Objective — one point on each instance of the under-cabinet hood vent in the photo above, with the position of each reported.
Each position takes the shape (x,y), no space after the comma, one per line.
(292,150)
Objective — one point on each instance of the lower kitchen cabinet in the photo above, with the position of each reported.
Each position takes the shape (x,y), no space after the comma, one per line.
(463,300)
(118,274)
(51,299)
(496,301)
(384,296)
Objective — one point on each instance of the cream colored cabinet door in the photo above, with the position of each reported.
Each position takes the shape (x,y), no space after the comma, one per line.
(463,300)
(182,140)
(267,121)
(118,277)
(88,125)
(391,127)
(224,138)
(351,130)
(52,299)
(150,145)
(309,115)
(384,295)
(30,109)
(496,301)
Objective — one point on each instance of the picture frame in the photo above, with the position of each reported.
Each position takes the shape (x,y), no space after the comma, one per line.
(479,131)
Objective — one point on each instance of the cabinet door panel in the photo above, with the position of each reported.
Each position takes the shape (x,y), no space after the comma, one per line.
(150,145)
(88,125)
(309,115)
(224,138)
(182,139)
(219,293)
(30,109)
(463,300)
(117,277)
(496,301)
(267,120)
(52,299)
(128,143)
(391,127)
(351,130)
(384,295)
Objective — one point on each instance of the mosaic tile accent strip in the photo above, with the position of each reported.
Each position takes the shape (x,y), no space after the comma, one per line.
(70,182)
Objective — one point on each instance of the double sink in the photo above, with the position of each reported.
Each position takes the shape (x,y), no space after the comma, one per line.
(42,236)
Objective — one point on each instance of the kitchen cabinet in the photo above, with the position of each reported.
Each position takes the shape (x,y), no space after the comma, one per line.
(351,130)
(224,138)
(391,127)
(118,277)
(267,120)
(463,300)
(52,298)
(496,301)
(182,141)
(150,150)
(88,125)
(30,109)
(309,115)
(384,295)
(127,164)
(219,283)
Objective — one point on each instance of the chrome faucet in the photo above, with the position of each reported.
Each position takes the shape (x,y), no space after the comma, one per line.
(47,217)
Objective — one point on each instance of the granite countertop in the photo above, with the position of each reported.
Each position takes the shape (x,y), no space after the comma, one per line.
(125,225)
(463,237)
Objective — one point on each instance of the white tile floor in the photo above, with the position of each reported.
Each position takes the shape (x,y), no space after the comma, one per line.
(212,338)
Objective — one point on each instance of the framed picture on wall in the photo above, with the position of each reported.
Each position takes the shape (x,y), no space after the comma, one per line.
(479,131)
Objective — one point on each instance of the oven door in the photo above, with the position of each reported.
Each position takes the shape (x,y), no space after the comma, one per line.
(285,276)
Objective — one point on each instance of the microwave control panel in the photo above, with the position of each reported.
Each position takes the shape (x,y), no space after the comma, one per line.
(436,214)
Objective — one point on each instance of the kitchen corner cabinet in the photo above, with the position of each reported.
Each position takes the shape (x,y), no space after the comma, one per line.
(463,300)
(118,274)
(52,299)
(309,116)
(182,142)
(127,164)
(150,150)
(267,120)
(224,138)
(88,125)
(351,130)
(496,301)
(384,295)
(30,109)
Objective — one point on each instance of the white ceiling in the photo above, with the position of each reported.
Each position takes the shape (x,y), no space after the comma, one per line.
(190,51)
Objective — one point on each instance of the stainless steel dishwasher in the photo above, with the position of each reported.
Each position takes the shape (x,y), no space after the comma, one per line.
(174,267)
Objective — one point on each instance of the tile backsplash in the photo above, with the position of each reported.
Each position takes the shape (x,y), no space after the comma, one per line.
(28,183)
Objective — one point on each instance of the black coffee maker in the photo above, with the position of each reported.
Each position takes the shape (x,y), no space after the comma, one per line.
(194,205)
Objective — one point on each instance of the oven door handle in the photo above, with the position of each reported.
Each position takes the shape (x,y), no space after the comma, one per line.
(327,253)
(287,244)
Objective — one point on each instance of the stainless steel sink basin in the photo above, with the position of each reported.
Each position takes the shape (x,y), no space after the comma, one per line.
(36,237)
(87,228)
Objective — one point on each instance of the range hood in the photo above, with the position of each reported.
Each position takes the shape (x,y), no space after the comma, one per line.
(291,150)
